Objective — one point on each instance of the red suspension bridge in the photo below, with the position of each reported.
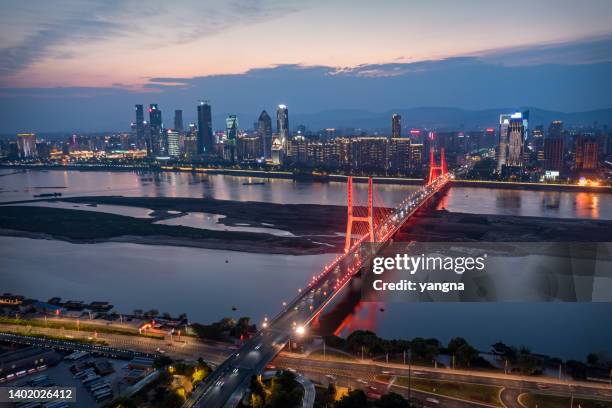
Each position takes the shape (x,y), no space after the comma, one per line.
(374,223)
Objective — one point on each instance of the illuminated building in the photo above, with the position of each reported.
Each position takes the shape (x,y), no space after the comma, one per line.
(512,130)
(205,133)
(282,125)
(264,131)
(399,153)
(178,120)
(297,151)
(156,145)
(554,147)
(396,125)
(231,134)
(586,152)
(416,156)
(369,153)
(140,123)
(248,148)
(172,138)
(277,150)
(26,145)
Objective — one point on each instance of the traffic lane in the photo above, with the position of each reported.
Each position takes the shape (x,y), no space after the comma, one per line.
(509,398)
(442,374)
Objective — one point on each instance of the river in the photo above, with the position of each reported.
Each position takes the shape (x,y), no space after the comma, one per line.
(206,284)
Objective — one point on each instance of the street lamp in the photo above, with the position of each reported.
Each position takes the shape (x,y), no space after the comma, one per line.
(300,330)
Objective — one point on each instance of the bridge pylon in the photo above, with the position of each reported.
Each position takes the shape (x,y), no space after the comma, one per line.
(436,170)
(369,219)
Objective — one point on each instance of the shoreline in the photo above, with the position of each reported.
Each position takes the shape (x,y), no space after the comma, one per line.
(322,178)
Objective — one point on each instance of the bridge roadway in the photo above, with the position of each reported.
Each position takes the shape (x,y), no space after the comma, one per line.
(226,385)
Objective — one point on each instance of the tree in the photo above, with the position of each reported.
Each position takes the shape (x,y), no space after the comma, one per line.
(465,354)
(392,400)
(592,359)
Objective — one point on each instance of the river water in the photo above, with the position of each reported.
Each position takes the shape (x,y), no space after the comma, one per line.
(207,284)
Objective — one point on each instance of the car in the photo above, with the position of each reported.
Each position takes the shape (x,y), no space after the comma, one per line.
(257,347)
(432,400)
(235,370)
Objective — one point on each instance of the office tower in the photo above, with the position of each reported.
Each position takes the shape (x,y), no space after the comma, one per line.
(416,156)
(26,145)
(399,154)
(178,120)
(140,133)
(172,138)
(512,130)
(205,133)
(554,147)
(231,132)
(553,154)
(282,125)
(264,131)
(396,125)
(156,145)
(586,152)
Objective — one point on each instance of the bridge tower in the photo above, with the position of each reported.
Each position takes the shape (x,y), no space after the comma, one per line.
(369,219)
(435,170)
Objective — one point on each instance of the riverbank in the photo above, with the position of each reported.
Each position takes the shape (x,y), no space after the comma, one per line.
(77,226)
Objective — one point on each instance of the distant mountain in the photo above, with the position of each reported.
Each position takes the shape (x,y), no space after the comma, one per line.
(445,118)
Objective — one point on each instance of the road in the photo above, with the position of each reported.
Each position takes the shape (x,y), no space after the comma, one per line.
(355,374)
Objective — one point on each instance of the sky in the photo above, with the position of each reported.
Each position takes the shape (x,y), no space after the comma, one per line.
(88,54)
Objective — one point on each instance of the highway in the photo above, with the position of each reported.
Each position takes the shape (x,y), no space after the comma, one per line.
(355,374)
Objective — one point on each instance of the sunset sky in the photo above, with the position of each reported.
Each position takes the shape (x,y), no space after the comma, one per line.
(105,43)
(88,48)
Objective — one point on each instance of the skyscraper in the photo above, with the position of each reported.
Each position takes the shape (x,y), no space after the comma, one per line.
(232,127)
(587,150)
(232,134)
(178,120)
(140,134)
(172,138)
(512,131)
(264,131)
(554,147)
(205,133)
(156,145)
(26,145)
(282,124)
(396,125)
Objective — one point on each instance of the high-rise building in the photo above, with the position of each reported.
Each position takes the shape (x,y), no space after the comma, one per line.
(282,124)
(205,133)
(178,120)
(231,132)
(172,138)
(264,131)
(399,154)
(553,154)
(396,125)
(587,150)
(512,134)
(26,145)
(140,132)
(156,145)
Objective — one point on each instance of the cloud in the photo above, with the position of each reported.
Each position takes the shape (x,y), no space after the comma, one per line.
(581,51)
(154,24)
